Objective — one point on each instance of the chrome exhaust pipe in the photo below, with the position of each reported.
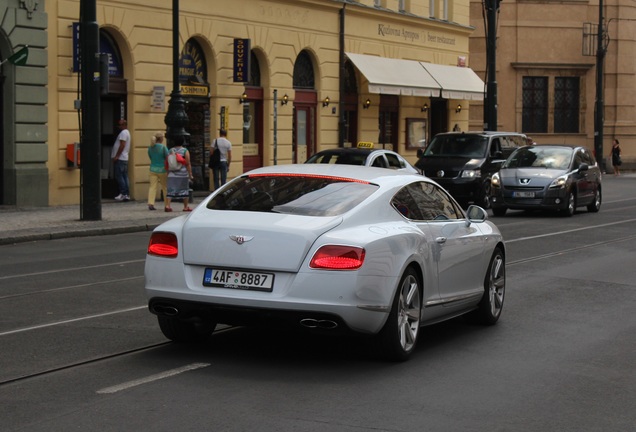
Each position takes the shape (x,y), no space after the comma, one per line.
(322,324)
(165,310)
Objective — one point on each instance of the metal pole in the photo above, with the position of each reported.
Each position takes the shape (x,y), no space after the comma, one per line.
(341,90)
(91,205)
(599,106)
(275,126)
(176,118)
(490,104)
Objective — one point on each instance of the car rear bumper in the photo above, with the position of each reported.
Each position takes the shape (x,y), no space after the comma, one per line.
(354,302)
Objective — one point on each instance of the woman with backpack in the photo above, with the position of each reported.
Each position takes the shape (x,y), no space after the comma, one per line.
(179,177)
(157,152)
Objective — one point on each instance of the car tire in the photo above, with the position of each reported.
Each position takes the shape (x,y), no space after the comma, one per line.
(491,303)
(484,196)
(570,204)
(185,331)
(595,205)
(499,211)
(397,339)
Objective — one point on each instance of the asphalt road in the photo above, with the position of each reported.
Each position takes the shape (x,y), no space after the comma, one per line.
(79,351)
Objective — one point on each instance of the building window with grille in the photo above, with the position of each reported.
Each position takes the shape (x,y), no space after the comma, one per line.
(566,104)
(535,104)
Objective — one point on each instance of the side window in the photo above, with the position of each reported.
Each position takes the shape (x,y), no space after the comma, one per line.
(495,146)
(394,161)
(578,159)
(508,146)
(404,203)
(379,162)
(433,202)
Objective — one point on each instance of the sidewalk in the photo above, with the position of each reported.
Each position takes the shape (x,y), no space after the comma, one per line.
(19,225)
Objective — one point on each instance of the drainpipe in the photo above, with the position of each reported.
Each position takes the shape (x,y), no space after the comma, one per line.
(341,102)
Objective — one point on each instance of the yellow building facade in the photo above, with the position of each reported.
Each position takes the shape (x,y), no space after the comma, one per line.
(285,78)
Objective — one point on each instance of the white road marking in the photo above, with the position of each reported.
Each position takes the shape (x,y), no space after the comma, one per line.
(71,320)
(151,378)
(569,231)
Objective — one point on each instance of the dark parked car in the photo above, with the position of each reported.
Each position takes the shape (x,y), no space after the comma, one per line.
(553,177)
(463,162)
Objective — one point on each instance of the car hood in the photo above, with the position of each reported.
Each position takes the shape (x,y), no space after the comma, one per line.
(251,240)
(449,163)
(537,177)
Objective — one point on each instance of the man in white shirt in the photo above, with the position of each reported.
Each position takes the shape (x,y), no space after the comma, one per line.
(120,161)
(224,146)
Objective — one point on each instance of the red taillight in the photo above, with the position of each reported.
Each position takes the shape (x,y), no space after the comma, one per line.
(163,244)
(334,257)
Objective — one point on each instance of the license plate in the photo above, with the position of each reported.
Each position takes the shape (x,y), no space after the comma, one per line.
(237,279)
(523,194)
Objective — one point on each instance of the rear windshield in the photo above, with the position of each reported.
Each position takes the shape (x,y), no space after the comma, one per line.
(292,194)
(540,157)
(472,146)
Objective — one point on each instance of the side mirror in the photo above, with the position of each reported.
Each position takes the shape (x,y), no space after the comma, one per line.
(584,167)
(475,214)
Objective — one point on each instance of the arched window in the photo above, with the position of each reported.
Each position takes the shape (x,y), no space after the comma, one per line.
(255,71)
(304,72)
(350,83)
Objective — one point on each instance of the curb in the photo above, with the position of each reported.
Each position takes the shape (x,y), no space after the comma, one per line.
(17,237)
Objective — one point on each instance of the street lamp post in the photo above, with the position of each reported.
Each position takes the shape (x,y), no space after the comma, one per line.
(176,118)
(490,103)
(599,106)
(91,205)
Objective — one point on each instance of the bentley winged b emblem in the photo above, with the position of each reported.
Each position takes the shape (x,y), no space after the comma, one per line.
(240,239)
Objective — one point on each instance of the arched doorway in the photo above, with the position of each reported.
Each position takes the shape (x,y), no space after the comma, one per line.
(193,78)
(113,107)
(305,101)
(253,118)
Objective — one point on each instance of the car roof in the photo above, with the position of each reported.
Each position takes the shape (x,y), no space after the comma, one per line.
(351,150)
(483,133)
(380,176)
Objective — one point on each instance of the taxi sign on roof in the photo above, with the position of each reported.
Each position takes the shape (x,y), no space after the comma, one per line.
(365,144)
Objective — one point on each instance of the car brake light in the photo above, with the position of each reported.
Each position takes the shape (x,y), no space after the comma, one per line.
(334,257)
(163,244)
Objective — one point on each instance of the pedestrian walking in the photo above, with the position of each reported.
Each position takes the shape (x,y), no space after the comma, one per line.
(157,153)
(119,155)
(179,178)
(224,147)
(615,154)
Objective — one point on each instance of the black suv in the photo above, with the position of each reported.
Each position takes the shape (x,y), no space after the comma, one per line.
(463,162)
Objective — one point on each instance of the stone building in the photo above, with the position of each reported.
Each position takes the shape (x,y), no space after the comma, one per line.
(546,71)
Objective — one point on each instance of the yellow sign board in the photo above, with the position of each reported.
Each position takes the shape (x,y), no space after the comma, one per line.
(189,90)
(365,144)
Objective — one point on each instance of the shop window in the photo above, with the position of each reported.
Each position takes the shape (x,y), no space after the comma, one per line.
(566,104)
(535,104)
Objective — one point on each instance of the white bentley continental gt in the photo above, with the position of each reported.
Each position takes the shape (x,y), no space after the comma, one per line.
(329,248)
